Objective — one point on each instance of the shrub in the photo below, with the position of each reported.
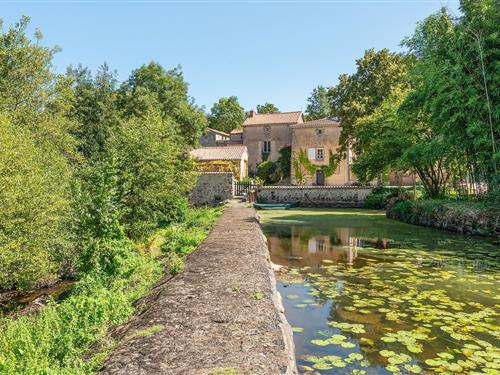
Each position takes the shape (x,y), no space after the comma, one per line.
(379,196)
(283,164)
(266,171)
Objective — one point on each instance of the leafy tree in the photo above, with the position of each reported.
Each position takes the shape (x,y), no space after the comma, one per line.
(318,104)
(151,87)
(95,111)
(455,84)
(26,80)
(267,108)
(154,174)
(378,74)
(35,200)
(227,114)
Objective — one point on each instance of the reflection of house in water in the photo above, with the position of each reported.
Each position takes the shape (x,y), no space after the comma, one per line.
(318,244)
(303,247)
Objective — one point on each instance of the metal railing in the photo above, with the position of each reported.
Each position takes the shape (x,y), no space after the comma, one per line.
(241,188)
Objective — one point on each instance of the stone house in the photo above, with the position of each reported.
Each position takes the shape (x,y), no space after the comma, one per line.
(229,158)
(213,138)
(267,133)
(314,144)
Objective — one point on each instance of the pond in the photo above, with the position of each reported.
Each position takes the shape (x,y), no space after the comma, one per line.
(369,295)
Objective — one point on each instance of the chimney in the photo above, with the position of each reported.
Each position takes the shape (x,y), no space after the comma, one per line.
(251,113)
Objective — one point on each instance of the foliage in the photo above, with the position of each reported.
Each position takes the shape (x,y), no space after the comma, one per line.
(318,104)
(299,173)
(380,195)
(453,88)
(151,88)
(153,175)
(267,172)
(226,115)
(55,340)
(433,112)
(377,75)
(267,108)
(311,168)
(459,216)
(283,164)
(26,81)
(35,200)
(182,238)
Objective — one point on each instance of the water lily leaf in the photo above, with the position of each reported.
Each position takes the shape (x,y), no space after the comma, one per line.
(347,345)
(414,348)
(356,356)
(392,368)
(387,353)
(388,339)
(297,329)
(445,355)
(414,369)
(292,296)
(322,366)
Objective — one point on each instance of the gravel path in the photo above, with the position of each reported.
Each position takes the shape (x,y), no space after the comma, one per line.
(221,313)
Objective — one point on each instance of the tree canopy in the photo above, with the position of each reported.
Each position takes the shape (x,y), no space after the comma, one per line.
(433,111)
(318,104)
(227,114)
(267,108)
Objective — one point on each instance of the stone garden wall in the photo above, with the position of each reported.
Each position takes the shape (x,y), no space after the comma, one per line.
(212,188)
(314,196)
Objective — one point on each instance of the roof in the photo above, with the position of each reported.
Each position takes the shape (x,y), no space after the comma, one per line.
(219,153)
(273,118)
(236,131)
(218,132)
(317,123)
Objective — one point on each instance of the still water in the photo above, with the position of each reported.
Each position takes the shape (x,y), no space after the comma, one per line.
(369,295)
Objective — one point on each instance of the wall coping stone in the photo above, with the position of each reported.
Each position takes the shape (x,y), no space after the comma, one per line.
(296,187)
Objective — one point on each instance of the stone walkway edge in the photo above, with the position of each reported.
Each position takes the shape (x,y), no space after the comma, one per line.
(222,315)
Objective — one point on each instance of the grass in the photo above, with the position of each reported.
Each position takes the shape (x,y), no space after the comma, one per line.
(55,340)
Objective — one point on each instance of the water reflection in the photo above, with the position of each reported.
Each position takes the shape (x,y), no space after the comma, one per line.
(373,296)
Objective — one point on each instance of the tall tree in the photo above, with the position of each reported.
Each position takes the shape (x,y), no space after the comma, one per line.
(227,114)
(152,86)
(267,108)
(318,104)
(378,73)
(456,80)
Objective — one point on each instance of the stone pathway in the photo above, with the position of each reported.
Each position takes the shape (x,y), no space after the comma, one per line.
(221,313)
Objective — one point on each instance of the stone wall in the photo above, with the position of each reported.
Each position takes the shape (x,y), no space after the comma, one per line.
(314,196)
(460,217)
(212,188)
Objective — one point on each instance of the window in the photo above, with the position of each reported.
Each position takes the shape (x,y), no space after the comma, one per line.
(320,246)
(319,131)
(267,147)
(320,154)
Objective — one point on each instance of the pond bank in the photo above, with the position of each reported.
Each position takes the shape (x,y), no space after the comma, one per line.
(461,217)
(221,313)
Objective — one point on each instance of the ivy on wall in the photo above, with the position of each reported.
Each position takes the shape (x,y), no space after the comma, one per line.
(302,161)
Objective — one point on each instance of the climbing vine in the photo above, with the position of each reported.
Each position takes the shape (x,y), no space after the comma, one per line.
(302,161)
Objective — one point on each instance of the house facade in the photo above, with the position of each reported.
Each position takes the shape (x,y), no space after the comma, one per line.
(266,134)
(314,154)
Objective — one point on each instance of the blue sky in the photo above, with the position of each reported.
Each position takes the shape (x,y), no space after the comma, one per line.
(261,51)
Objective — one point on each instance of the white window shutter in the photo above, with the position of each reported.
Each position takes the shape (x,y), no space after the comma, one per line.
(311,153)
